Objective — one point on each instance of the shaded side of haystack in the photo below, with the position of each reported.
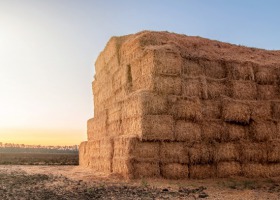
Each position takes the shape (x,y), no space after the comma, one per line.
(236,111)
(228,169)
(174,171)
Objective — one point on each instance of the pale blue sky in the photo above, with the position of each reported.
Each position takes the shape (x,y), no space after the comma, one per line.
(48,47)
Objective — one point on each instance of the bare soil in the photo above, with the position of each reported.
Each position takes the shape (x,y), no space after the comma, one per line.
(73,182)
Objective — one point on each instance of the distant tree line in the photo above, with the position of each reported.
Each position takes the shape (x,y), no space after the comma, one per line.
(21,148)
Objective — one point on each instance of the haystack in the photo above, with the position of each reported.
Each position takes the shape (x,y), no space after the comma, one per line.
(178,107)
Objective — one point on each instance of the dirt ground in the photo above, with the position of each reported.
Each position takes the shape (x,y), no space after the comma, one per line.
(73,182)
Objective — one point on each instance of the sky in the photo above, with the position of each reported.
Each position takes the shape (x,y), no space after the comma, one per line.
(48,49)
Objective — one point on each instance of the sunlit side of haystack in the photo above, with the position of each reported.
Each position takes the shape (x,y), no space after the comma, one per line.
(173,106)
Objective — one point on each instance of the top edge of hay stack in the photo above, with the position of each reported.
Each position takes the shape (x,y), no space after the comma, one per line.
(184,107)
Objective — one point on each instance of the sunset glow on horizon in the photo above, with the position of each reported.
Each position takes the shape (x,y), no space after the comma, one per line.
(48,50)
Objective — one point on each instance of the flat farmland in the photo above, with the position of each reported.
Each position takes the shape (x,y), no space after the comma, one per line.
(39,159)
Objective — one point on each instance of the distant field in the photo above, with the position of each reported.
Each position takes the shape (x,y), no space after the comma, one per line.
(38,159)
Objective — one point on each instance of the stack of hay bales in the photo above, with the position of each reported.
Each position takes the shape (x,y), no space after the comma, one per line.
(172,106)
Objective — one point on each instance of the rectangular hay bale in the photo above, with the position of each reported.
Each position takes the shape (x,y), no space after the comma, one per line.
(174,171)
(253,152)
(173,152)
(268,92)
(235,132)
(211,109)
(187,109)
(216,88)
(201,153)
(261,110)
(228,169)
(273,153)
(158,127)
(243,90)
(227,152)
(263,130)
(202,171)
(187,131)
(213,130)
(236,111)
(167,85)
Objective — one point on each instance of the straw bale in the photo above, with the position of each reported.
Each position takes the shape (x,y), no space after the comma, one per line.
(253,152)
(102,165)
(214,69)
(130,168)
(158,127)
(83,158)
(96,128)
(173,152)
(211,109)
(216,88)
(174,171)
(261,110)
(114,129)
(187,109)
(132,126)
(153,104)
(114,113)
(227,152)
(228,169)
(273,154)
(265,75)
(168,85)
(244,90)
(187,131)
(132,147)
(193,87)
(106,148)
(202,171)
(131,107)
(240,71)
(267,92)
(146,169)
(263,130)
(276,109)
(274,170)
(122,166)
(213,130)
(201,153)
(192,68)
(167,62)
(256,170)
(236,111)
(235,132)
